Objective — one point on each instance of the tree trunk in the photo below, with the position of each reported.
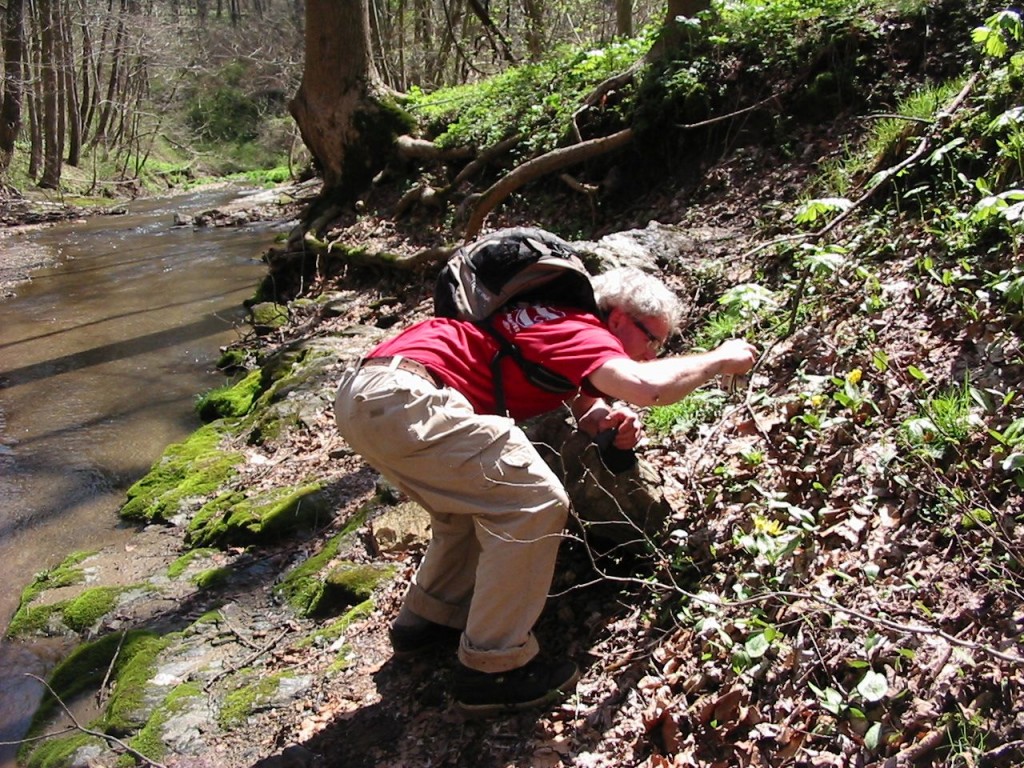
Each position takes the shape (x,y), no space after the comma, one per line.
(624,18)
(534,10)
(33,66)
(72,110)
(116,63)
(10,108)
(52,148)
(338,109)
(673,32)
(85,75)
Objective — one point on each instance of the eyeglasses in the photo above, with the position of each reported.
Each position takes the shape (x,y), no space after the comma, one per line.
(653,342)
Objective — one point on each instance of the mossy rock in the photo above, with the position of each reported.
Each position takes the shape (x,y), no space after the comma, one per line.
(303,587)
(334,629)
(85,611)
(179,567)
(149,740)
(78,614)
(268,316)
(241,703)
(76,749)
(240,518)
(28,619)
(194,468)
(131,704)
(88,665)
(232,360)
(349,584)
(232,400)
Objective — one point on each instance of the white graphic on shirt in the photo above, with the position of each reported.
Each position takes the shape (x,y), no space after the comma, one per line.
(524,317)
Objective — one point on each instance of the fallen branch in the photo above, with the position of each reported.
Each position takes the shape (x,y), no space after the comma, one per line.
(540,166)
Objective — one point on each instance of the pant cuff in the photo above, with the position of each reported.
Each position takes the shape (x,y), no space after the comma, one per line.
(499,660)
(437,611)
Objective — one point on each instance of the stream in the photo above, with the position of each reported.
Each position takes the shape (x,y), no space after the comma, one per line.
(101,357)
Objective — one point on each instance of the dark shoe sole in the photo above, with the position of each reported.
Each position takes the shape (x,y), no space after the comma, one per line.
(503,708)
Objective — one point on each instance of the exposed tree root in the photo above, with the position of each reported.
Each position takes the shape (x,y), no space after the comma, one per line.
(541,166)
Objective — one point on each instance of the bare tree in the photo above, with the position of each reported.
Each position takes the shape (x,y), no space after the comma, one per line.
(624,18)
(51,102)
(10,108)
(534,10)
(340,107)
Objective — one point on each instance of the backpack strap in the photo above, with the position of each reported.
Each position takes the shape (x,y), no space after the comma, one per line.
(538,375)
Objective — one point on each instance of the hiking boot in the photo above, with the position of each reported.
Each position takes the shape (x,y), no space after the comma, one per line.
(410,641)
(538,683)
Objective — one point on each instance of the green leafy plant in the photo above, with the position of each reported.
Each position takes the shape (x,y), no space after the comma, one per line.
(943,421)
(995,36)
(698,408)
(852,392)
(812,212)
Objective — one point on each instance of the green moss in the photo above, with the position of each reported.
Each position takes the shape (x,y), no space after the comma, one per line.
(214,577)
(267,315)
(302,588)
(232,359)
(343,658)
(345,585)
(88,665)
(64,575)
(149,739)
(127,710)
(28,619)
(210,617)
(56,752)
(195,467)
(331,631)
(240,704)
(351,583)
(179,566)
(231,400)
(82,612)
(238,518)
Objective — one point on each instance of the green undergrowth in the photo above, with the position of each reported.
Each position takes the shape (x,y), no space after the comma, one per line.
(537,100)
(886,421)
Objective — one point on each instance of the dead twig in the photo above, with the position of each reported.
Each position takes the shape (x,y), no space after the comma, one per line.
(249,659)
(100,696)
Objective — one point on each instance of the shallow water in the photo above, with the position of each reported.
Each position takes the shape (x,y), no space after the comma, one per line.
(101,357)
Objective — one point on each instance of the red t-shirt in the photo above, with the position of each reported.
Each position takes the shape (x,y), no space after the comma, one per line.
(568,341)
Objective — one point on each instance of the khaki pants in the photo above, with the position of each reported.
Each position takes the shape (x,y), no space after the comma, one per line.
(497,510)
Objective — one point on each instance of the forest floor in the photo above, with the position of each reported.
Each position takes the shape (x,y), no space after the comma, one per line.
(659,691)
(656,693)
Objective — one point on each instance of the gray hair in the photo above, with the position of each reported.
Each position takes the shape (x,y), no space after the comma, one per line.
(636,293)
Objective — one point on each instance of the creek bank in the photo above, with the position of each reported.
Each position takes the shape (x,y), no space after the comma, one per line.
(265,557)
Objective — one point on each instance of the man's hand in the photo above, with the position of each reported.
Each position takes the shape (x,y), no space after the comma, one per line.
(622,420)
(736,356)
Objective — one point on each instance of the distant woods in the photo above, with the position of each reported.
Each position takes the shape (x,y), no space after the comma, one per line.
(108,86)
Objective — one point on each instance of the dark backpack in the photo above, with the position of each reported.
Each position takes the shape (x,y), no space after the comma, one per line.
(521,265)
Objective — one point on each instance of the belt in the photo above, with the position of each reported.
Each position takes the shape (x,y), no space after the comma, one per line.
(405,364)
